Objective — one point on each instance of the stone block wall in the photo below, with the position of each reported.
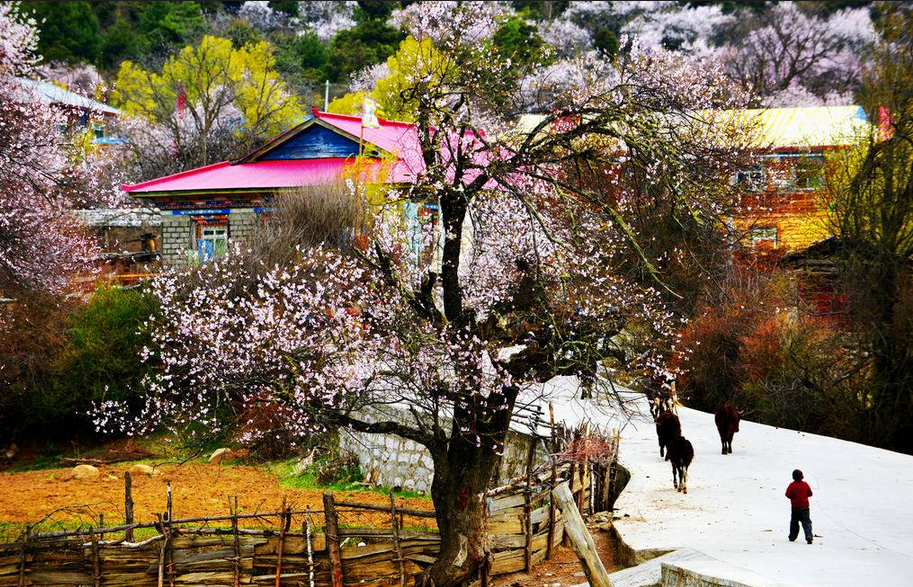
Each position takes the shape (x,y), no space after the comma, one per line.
(178,234)
(391,461)
(177,238)
(711,572)
(242,224)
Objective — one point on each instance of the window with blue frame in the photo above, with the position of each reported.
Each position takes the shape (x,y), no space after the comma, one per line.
(212,242)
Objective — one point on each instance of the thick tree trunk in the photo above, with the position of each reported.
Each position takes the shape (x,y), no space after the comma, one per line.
(458,493)
(892,407)
(463,469)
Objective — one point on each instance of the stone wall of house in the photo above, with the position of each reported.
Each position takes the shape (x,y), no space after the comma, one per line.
(392,461)
(177,238)
(241,226)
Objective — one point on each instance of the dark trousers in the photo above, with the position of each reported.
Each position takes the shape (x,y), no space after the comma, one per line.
(800,515)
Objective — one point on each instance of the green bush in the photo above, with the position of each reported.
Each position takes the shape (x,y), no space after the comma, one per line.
(98,359)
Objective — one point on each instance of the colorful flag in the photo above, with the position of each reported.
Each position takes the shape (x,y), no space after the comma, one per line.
(369,114)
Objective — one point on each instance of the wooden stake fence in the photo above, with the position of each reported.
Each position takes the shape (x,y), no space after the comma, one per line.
(523,521)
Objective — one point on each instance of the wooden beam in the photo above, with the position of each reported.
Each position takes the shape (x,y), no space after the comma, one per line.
(580,538)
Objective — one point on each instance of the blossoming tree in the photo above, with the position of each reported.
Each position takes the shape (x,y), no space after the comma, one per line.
(41,176)
(525,274)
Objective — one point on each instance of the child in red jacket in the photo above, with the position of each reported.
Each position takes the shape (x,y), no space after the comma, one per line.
(798,493)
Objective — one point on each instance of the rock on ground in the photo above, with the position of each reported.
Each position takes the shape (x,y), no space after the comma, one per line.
(84,472)
(220,455)
(140,469)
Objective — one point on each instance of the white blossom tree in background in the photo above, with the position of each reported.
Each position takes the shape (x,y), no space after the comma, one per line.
(792,58)
(260,16)
(326,18)
(533,268)
(44,176)
(787,54)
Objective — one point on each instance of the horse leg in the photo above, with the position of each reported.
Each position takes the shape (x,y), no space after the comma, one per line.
(684,477)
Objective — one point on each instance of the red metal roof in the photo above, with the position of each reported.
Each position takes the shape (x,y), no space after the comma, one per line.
(261,175)
(400,139)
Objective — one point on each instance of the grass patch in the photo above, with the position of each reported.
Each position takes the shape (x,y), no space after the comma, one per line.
(347,480)
(39,463)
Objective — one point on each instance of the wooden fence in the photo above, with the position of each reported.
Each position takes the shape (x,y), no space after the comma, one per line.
(310,548)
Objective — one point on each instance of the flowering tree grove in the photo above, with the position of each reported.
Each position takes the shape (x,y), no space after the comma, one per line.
(41,245)
(526,274)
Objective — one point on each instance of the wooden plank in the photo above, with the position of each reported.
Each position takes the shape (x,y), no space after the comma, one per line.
(511,524)
(503,503)
(507,541)
(540,515)
(49,577)
(580,538)
(507,565)
(294,544)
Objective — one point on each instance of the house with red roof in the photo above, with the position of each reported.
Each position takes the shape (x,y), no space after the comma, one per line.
(202,209)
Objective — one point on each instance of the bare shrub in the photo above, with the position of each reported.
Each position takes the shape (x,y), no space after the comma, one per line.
(750,348)
(331,215)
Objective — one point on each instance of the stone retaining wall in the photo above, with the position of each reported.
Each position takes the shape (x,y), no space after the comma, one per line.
(709,573)
(392,461)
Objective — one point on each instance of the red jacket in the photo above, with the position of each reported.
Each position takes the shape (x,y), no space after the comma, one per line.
(798,493)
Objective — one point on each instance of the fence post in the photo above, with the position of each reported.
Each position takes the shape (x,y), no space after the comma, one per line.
(581,498)
(23,556)
(331,528)
(169,553)
(551,500)
(527,507)
(572,474)
(128,505)
(396,546)
(96,563)
(168,505)
(237,540)
(281,545)
(307,534)
(161,576)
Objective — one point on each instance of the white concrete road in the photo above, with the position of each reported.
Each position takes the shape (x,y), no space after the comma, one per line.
(735,510)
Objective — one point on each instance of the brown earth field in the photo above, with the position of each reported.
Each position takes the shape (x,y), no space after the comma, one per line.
(198,490)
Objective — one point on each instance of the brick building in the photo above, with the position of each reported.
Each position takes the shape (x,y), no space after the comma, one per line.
(783,204)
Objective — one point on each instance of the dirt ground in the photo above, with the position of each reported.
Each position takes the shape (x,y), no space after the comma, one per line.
(197,490)
(563,569)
